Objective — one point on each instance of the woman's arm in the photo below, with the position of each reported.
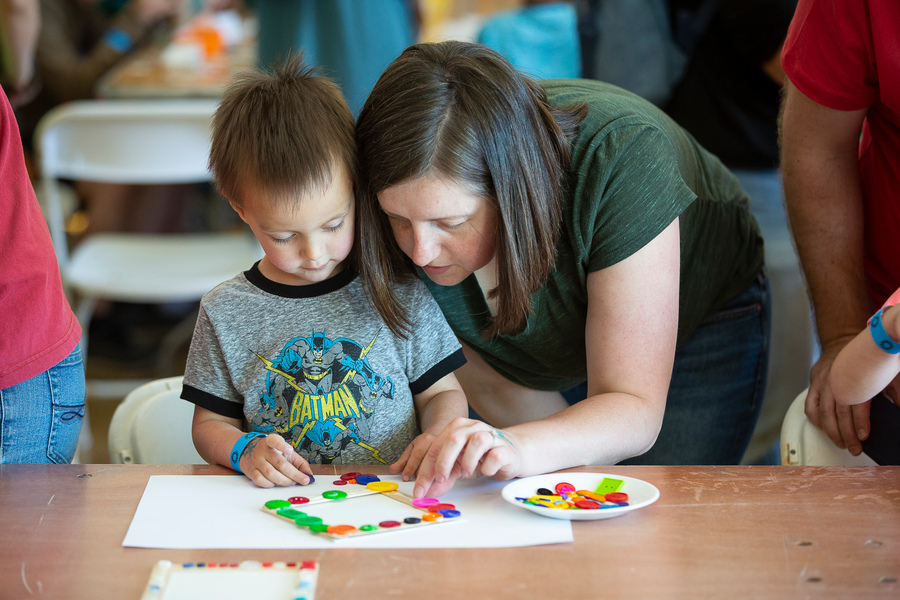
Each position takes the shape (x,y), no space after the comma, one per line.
(630,338)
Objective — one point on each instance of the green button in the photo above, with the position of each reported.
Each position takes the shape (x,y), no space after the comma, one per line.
(368,528)
(319,528)
(334,494)
(290,513)
(308,521)
(275,504)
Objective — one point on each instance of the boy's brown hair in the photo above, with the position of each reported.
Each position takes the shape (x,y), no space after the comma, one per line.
(285,132)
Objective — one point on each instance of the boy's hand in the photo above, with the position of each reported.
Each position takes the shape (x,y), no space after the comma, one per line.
(271,461)
(412,457)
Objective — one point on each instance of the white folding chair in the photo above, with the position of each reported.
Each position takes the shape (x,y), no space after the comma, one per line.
(152,426)
(134,142)
(802,443)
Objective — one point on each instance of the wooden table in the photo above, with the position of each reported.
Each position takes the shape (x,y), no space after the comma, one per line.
(145,75)
(715,532)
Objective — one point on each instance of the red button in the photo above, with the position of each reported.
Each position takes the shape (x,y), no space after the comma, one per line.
(616,497)
(349,476)
(298,500)
(439,507)
(339,482)
(588,504)
(564,488)
(389,524)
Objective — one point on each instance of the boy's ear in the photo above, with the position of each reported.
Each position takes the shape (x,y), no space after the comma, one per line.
(239,210)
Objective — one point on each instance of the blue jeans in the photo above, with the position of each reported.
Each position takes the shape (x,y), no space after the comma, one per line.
(40,418)
(717,386)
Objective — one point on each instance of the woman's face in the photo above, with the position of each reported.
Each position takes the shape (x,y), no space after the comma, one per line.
(441,226)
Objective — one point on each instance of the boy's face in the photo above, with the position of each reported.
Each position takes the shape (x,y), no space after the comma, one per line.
(306,243)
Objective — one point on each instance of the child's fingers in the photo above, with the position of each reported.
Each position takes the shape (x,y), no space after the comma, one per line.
(276,442)
(419,448)
(303,467)
(401,462)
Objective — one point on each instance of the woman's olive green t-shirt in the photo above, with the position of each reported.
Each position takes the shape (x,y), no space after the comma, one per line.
(633,172)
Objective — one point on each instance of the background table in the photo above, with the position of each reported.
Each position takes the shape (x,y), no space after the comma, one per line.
(715,532)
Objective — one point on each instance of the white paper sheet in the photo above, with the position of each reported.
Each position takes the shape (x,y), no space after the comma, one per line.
(195,511)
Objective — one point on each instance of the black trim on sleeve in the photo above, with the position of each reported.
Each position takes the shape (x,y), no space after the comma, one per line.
(206,400)
(438,371)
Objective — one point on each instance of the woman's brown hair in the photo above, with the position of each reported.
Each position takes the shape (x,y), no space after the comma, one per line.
(460,111)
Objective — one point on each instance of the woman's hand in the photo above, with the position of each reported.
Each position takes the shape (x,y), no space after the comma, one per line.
(465,449)
(271,461)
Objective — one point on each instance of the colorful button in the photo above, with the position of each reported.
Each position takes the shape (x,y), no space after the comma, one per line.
(339,482)
(290,513)
(544,492)
(390,524)
(432,516)
(450,513)
(587,504)
(349,476)
(308,521)
(366,479)
(424,502)
(341,529)
(382,486)
(609,485)
(411,520)
(368,528)
(590,494)
(298,500)
(441,506)
(276,504)
(319,528)
(617,497)
(564,488)
(334,494)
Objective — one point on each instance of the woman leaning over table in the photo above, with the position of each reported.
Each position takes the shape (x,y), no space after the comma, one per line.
(571,233)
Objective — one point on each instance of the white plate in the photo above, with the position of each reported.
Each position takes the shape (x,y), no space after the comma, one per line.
(640,494)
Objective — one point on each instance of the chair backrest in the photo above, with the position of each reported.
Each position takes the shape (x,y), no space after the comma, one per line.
(802,443)
(152,426)
(121,141)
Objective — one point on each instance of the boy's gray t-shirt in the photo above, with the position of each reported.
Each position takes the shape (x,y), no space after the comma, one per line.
(317,364)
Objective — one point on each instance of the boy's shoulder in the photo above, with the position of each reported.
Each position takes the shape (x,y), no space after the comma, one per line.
(225,290)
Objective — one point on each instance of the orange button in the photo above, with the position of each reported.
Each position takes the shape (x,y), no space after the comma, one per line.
(341,529)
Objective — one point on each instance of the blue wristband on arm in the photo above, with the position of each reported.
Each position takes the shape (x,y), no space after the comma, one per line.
(239,446)
(118,40)
(882,339)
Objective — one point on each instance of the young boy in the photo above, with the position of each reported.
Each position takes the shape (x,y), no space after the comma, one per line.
(292,347)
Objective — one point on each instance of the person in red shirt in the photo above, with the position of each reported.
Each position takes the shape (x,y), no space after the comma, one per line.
(42,387)
(840,140)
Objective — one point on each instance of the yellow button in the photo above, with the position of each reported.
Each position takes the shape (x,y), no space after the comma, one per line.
(382,486)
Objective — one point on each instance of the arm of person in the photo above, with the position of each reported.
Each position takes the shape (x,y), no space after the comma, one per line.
(437,407)
(630,337)
(72,75)
(21,20)
(862,369)
(773,68)
(824,202)
(268,461)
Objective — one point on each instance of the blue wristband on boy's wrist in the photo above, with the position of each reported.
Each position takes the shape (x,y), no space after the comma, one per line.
(882,339)
(239,446)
